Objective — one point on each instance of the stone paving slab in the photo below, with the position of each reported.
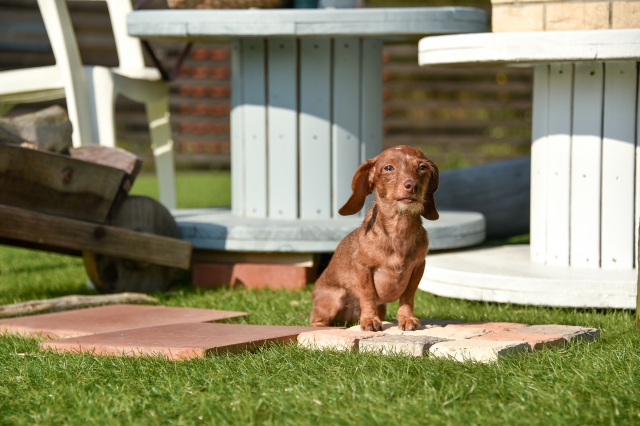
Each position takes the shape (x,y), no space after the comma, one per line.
(179,341)
(477,350)
(478,341)
(104,319)
(400,344)
(571,333)
(335,339)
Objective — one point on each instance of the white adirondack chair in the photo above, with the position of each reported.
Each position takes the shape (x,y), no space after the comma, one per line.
(91,91)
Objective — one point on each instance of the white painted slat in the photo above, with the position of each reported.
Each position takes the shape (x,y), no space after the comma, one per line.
(637,206)
(586,163)
(371,104)
(539,131)
(346,117)
(559,163)
(283,128)
(237,139)
(315,128)
(254,126)
(371,124)
(618,165)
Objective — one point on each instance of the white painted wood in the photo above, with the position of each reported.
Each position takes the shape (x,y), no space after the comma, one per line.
(237,131)
(530,47)
(618,165)
(371,104)
(559,163)
(346,118)
(371,92)
(65,49)
(306,22)
(254,126)
(539,142)
(283,128)
(506,275)
(637,206)
(586,164)
(129,48)
(219,229)
(315,128)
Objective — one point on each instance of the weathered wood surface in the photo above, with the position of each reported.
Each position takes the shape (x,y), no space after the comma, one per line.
(48,129)
(500,191)
(112,274)
(57,184)
(67,303)
(20,224)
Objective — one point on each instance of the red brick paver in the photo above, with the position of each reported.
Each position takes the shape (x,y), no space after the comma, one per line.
(105,319)
(179,341)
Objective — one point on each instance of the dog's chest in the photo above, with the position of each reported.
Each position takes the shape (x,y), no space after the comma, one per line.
(391,281)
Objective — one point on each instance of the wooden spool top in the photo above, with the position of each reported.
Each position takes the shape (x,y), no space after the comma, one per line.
(530,47)
(374,22)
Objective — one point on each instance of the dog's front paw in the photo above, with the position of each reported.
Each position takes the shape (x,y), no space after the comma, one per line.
(370,324)
(408,324)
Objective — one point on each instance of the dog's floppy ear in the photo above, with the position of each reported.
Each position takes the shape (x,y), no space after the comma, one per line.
(429,206)
(361,185)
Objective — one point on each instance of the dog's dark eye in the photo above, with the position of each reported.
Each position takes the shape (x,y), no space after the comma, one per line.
(388,168)
(422,167)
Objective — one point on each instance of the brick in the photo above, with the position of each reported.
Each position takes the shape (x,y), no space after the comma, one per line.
(577,16)
(335,339)
(402,345)
(507,18)
(491,326)
(534,340)
(251,275)
(105,319)
(448,333)
(425,323)
(625,14)
(179,341)
(570,333)
(477,350)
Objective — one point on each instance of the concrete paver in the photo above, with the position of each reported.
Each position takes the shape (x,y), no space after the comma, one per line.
(477,350)
(399,344)
(571,333)
(335,339)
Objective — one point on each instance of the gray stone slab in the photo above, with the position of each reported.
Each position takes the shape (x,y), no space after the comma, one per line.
(380,22)
(219,229)
(401,345)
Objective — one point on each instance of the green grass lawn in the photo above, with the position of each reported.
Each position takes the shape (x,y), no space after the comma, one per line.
(588,383)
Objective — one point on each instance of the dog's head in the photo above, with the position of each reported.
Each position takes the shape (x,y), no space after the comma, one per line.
(401,176)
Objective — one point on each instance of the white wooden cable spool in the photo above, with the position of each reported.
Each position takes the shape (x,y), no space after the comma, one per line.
(114,275)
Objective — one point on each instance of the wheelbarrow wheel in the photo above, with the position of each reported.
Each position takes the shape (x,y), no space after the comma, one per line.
(114,275)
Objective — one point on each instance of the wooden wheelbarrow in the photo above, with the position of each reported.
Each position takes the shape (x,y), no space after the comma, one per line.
(79,205)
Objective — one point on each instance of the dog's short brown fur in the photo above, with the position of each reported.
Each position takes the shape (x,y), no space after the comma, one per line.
(383,260)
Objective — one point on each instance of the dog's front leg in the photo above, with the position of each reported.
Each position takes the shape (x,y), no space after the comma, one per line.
(406,318)
(369,319)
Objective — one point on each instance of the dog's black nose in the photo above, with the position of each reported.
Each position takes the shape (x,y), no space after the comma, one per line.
(410,185)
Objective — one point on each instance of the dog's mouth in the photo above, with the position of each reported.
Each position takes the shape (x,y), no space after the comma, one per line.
(407,200)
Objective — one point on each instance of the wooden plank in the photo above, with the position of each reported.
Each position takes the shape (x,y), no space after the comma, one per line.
(346,118)
(57,184)
(237,131)
(254,94)
(315,128)
(539,143)
(283,128)
(39,228)
(618,165)
(371,117)
(559,163)
(586,164)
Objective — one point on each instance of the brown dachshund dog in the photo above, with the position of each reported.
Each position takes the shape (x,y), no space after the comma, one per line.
(382,260)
